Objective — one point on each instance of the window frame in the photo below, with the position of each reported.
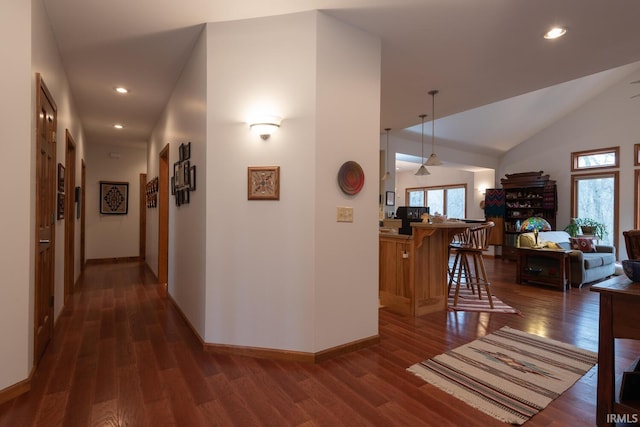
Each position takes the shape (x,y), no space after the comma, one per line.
(616,196)
(424,189)
(575,157)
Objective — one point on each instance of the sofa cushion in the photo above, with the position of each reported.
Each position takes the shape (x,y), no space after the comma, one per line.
(583,244)
(598,259)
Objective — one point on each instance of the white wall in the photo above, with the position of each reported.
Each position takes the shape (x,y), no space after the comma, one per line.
(16,227)
(182,121)
(281,274)
(32,50)
(113,236)
(608,120)
(348,119)
(47,62)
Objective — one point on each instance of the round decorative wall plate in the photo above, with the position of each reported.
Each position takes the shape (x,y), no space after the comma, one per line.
(351,178)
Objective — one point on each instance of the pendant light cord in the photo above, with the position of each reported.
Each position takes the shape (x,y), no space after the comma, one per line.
(433,94)
(422,116)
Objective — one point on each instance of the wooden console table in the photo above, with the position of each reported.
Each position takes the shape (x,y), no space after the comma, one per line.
(619,318)
(528,270)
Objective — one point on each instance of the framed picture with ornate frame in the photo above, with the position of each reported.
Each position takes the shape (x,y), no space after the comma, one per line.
(263,182)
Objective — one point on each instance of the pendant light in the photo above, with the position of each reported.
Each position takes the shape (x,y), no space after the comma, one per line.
(422,170)
(433,159)
(387,174)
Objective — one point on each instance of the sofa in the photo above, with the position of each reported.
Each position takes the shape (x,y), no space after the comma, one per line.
(586,266)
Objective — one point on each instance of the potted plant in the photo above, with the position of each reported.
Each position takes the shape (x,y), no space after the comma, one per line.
(586,226)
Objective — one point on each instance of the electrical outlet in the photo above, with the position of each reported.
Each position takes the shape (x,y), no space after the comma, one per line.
(344,214)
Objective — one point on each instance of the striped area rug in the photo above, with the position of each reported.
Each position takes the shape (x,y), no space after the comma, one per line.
(467,301)
(509,374)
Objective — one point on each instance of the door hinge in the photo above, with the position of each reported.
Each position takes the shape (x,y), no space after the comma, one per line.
(51,301)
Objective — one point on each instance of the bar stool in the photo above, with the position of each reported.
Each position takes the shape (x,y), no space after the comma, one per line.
(469,251)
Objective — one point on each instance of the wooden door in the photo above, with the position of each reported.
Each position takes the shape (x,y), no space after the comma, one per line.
(70,216)
(46,199)
(83,198)
(142,243)
(163,216)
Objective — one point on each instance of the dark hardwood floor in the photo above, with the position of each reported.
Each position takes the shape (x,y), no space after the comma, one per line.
(122,356)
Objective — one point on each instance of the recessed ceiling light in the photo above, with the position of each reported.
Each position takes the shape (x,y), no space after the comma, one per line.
(118,126)
(555,32)
(122,90)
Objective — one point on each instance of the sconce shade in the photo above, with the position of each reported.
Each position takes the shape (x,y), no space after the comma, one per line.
(265,126)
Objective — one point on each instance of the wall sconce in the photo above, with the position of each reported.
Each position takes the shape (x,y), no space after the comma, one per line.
(265,125)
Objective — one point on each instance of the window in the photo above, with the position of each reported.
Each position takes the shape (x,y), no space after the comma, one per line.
(595,196)
(595,159)
(449,200)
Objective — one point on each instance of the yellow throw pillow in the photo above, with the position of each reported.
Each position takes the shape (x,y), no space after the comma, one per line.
(553,245)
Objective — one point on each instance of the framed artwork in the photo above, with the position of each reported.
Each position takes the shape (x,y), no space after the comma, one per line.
(60,178)
(60,206)
(192,178)
(184,151)
(114,198)
(78,191)
(636,149)
(263,182)
(391,198)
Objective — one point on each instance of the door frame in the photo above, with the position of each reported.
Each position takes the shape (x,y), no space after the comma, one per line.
(70,215)
(142,244)
(163,215)
(83,198)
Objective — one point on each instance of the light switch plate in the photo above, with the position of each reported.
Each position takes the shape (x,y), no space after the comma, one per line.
(344,214)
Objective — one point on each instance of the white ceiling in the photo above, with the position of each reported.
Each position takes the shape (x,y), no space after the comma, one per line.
(476,53)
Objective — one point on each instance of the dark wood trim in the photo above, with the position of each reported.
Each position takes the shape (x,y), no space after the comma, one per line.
(636,199)
(17,389)
(163,215)
(289,355)
(276,354)
(70,215)
(616,198)
(112,260)
(346,348)
(83,204)
(142,244)
(575,156)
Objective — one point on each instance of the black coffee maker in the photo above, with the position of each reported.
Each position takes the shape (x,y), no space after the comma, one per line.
(409,214)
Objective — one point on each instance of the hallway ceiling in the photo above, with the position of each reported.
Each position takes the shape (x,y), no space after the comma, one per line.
(499,79)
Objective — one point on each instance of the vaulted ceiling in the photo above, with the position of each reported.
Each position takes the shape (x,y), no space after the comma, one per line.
(475,53)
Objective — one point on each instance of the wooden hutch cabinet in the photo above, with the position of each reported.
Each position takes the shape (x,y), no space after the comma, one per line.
(526,194)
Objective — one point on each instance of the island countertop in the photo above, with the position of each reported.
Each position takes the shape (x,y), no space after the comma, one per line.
(413,269)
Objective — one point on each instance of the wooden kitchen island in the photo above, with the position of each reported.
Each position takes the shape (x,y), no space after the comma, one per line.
(413,269)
